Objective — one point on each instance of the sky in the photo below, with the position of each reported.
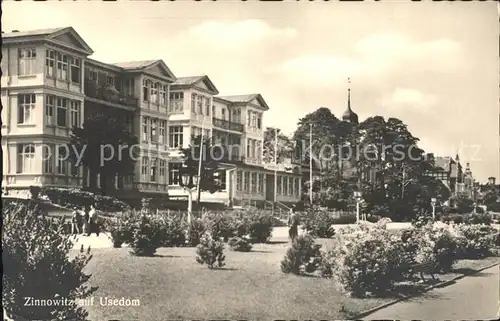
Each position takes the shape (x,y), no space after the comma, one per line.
(433,65)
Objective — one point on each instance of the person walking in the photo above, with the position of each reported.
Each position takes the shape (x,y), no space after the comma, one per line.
(86,218)
(94,227)
(76,219)
(293,224)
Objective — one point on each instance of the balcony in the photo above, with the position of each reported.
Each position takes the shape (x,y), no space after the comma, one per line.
(109,93)
(224,124)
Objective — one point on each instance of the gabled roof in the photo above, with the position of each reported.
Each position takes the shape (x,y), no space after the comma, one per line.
(193,80)
(442,163)
(246,99)
(144,65)
(52,35)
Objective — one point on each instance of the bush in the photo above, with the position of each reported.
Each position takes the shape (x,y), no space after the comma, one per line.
(476,241)
(364,260)
(210,251)
(239,244)
(75,197)
(319,223)
(147,236)
(457,218)
(196,231)
(221,225)
(36,264)
(421,221)
(173,229)
(475,218)
(260,227)
(303,256)
(35,192)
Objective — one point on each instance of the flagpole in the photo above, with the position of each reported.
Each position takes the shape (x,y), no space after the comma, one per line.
(310,164)
(275,166)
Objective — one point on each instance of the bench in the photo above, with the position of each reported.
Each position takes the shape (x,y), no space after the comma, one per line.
(421,268)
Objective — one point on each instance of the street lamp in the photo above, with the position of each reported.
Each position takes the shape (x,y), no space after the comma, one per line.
(433,203)
(189,181)
(357,196)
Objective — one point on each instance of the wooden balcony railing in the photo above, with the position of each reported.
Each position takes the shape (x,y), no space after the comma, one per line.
(224,124)
(111,94)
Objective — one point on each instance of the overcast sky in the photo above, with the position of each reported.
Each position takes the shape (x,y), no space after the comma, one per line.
(433,65)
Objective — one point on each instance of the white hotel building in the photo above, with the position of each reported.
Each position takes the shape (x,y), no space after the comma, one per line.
(49,84)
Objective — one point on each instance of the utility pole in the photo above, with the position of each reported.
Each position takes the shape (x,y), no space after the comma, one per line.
(310,165)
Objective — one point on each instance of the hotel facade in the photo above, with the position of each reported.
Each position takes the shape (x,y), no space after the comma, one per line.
(49,85)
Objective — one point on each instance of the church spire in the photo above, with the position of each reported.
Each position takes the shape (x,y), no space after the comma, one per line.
(349,115)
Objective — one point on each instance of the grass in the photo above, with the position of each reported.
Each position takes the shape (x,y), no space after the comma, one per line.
(172,285)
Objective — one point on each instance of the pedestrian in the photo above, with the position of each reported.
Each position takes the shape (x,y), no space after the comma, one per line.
(293,224)
(75,221)
(94,227)
(86,227)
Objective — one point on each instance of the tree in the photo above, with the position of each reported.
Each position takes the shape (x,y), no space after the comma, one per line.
(211,157)
(284,145)
(107,148)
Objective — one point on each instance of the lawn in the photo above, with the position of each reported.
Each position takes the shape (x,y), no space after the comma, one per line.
(251,286)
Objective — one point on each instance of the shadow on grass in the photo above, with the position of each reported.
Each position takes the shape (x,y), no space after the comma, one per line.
(408,289)
(260,251)
(224,269)
(277,242)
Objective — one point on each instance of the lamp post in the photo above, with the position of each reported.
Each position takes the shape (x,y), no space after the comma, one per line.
(189,181)
(433,203)
(357,195)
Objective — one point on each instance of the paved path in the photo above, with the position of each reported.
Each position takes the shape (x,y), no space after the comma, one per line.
(474,297)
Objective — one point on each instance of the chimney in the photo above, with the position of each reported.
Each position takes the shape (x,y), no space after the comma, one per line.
(491,180)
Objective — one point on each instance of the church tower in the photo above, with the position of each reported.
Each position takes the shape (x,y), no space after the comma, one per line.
(349,115)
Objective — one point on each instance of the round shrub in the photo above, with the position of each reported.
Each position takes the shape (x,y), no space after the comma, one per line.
(210,251)
(303,256)
(319,223)
(239,244)
(147,236)
(260,228)
(36,263)
(196,231)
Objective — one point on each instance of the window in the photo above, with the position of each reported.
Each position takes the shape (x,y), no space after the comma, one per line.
(214,114)
(173,173)
(130,86)
(47,159)
(163,95)
(162,170)
(62,66)
(74,113)
(285,185)
(238,180)
(27,61)
(258,151)
(154,132)
(145,132)
(49,110)
(110,81)
(62,107)
(25,158)
(278,185)
(154,93)
(75,70)
(145,89)
(26,110)
(161,131)
(249,121)
(297,186)
(254,183)
(175,136)
(50,63)
(200,104)
(193,103)
(259,121)
(260,188)
(144,168)
(290,186)
(238,118)
(153,169)
(246,182)
(223,113)
(207,106)
(222,179)
(61,160)
(176,101)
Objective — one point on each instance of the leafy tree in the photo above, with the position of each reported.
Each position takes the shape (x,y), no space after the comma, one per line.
(284,145)
(107,148)
(211,156)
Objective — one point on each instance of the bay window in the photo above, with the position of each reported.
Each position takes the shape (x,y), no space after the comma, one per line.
(26,109)
(50,63)
(62,66)
(25,158)
(75,70)
(49,110)
(176,136)
(27,61)
(62,107)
